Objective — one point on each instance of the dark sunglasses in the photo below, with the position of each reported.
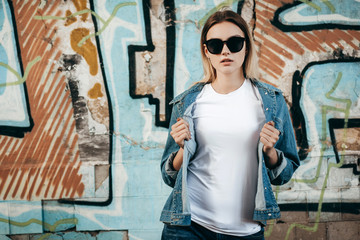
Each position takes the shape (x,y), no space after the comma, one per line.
(215,45)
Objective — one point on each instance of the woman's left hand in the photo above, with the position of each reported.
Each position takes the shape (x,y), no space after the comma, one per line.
(269,135)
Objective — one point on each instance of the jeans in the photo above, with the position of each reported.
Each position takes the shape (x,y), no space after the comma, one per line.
(197,232)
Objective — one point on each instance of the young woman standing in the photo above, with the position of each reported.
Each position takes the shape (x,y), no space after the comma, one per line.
(231,137)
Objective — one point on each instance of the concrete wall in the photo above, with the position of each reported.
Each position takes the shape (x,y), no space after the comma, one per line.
(84,93)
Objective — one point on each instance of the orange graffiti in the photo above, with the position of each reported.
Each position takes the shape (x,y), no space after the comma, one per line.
(87,50)
(34,166)
(273,43)
(81,5)
(69,20)
(95,91)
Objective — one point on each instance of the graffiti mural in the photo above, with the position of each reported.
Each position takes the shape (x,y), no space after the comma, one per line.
(13,91)
(84,113)
(321,37)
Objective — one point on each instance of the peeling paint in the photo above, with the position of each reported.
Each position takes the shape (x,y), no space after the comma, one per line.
(99,111)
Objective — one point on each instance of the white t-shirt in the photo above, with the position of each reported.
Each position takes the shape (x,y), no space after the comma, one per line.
(222,176)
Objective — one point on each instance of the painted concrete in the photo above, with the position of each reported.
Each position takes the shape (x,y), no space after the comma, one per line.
(84,93)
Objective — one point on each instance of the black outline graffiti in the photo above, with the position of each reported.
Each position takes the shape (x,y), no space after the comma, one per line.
(296,112)
(10,131)
(240,7)
(353,208)
(297,116)
(294,28)
(169,92)
(301,137)
(337,123)
(170,60)
(111,126)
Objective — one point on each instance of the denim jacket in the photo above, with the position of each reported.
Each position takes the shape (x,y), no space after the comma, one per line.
(177,208)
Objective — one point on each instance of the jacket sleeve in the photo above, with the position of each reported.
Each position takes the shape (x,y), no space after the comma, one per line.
(286,147)
(169,175)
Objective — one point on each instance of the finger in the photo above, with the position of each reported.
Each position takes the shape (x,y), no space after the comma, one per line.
(185,136)
(181,129)
(181,139)
(265,142)
(175,125)
(271,134)
(271,123)
(266,131)
(177,135)
(176,132)
(179,126)
(179,119)
(265,136)
(271,139)
(184,122)
(179,122)
(271,128)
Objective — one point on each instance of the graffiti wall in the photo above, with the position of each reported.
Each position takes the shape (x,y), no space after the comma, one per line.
(85,87)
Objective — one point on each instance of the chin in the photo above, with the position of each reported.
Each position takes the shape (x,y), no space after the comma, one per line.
(228,70)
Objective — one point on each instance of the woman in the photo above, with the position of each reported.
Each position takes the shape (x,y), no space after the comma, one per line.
(231,137)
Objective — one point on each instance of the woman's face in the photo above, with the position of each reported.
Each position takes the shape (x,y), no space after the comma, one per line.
(226,62)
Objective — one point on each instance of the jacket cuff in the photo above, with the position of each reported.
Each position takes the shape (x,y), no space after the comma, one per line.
(274,173)
(169,169)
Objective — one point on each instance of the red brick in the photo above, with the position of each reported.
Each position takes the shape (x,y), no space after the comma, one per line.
(350,217)
(319,234)
(349,230)
(291,217)
(278,231)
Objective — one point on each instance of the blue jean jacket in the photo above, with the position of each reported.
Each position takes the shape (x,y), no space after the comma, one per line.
(177,208)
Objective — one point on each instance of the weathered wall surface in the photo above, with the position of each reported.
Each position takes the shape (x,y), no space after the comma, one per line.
(84,93)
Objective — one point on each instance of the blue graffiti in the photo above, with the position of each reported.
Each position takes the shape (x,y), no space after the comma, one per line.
(322,12)
(14,110)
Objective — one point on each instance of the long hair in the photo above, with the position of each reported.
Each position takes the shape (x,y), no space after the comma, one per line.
(250,65)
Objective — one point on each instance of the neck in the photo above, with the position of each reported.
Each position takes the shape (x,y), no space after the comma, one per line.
(227,83)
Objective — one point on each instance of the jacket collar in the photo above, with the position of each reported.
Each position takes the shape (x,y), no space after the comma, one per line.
(265,86)
(197,87)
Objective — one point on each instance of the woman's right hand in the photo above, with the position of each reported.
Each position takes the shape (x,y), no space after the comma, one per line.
(180,132)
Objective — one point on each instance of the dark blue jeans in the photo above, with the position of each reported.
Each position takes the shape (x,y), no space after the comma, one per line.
(197,232)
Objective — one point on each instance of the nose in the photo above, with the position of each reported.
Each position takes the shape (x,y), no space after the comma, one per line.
(225,50)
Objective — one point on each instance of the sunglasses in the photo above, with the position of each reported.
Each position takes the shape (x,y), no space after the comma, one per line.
(234,44)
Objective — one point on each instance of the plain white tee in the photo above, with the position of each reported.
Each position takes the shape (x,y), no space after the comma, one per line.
(222,176)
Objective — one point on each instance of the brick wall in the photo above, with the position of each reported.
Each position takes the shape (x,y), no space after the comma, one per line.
(84,93)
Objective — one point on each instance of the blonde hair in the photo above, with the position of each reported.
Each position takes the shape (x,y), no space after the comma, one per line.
(250,65)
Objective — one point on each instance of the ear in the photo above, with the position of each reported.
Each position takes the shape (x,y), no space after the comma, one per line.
(206,51)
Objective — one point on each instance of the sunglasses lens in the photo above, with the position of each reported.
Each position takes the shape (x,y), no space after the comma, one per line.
(214,46)
(235,44)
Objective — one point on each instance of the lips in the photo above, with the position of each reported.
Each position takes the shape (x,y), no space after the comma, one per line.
(226,60)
